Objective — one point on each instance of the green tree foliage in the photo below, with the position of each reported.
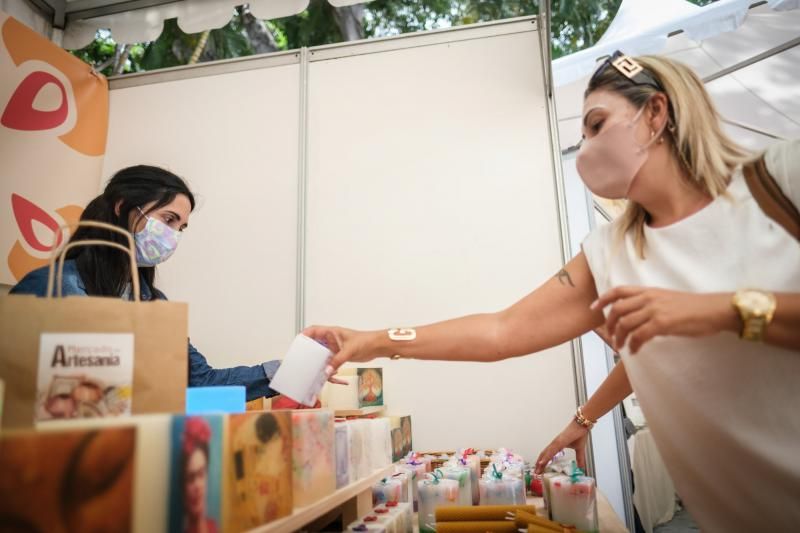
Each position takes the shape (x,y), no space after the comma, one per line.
(576,24)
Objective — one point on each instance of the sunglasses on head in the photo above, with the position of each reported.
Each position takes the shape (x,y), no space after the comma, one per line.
(628,67)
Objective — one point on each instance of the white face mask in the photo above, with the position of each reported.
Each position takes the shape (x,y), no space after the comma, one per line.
(155,243)
(609,161)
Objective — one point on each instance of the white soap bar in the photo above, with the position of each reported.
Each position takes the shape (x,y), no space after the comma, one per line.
(360,460)
(380,443)
(343,438)
(302,371)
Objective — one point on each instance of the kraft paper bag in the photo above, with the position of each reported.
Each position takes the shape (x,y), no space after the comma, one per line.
(86,357)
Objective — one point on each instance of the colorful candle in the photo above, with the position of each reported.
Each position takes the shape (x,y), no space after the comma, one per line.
(461,474)
(499,489)
(417,473)
(474,465)
(387,490)
(435,492)
(573,501)
(406,482)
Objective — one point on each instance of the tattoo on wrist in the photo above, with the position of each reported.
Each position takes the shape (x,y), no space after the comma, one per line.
(564,277)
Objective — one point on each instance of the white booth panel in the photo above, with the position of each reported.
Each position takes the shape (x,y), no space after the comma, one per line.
(234,138)
(431,195)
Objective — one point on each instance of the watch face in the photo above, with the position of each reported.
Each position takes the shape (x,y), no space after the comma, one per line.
(755,301)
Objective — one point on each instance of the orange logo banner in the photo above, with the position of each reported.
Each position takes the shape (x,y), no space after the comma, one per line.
(53,129)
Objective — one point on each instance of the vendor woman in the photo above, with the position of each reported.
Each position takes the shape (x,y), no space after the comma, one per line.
(153,204)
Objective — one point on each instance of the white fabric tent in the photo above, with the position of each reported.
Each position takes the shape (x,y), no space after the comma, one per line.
(749,57)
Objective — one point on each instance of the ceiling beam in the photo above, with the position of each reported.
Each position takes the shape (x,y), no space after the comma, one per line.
(87,9)
(53,10)
(752,60)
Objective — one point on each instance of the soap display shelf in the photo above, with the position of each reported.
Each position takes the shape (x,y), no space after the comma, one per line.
(364,411)
(305,515)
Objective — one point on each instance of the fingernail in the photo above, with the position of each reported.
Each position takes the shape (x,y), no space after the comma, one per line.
(329,370)
(593,305)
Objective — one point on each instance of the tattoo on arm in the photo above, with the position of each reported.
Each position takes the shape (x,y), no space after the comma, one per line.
(564,277)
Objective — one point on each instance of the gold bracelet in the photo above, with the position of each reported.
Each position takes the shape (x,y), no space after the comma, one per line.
(581,419)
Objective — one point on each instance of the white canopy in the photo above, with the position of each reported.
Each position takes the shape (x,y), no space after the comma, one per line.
(133,21)
(749,58)
(747,52)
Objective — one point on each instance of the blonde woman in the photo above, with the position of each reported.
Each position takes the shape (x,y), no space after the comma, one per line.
(693,265)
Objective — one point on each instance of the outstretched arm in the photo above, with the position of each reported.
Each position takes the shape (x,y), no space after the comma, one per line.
(611,392)
(555,312)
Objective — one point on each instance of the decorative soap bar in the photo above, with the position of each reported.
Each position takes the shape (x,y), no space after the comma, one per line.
(196,473)
(46,477)
(401,516)
(343,437)
(360,458)
(380,443)
(313,456)
(258,459)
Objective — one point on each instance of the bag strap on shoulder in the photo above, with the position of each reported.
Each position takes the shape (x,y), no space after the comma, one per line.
(770,198)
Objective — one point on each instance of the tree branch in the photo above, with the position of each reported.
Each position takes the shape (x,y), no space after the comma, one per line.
(119,66)
(261,39)
(201,45)
(350,20)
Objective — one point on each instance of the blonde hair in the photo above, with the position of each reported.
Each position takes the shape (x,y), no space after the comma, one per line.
(704,151)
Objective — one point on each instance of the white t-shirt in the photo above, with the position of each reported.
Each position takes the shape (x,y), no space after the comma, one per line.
(724,412)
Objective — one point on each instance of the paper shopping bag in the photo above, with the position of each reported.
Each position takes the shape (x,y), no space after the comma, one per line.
(79,356)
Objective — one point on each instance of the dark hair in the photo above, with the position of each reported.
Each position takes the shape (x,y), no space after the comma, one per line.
(105,271)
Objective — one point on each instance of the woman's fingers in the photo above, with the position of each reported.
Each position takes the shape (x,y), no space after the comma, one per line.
(547,454)
(326,335)
(341,357)
(613,295)
(629,323)
(622,307)
(641,335)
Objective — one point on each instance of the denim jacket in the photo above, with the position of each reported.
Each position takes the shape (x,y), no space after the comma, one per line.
(255,378)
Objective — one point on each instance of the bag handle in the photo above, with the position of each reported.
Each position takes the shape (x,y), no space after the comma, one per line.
(59,255)
(770,198)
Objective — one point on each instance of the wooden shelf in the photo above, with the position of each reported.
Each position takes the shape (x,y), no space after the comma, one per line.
(305,515)
(364,411)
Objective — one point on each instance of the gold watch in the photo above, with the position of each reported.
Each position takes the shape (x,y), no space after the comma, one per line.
(755,308)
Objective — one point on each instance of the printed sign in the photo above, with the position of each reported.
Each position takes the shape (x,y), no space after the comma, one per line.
(84,375)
